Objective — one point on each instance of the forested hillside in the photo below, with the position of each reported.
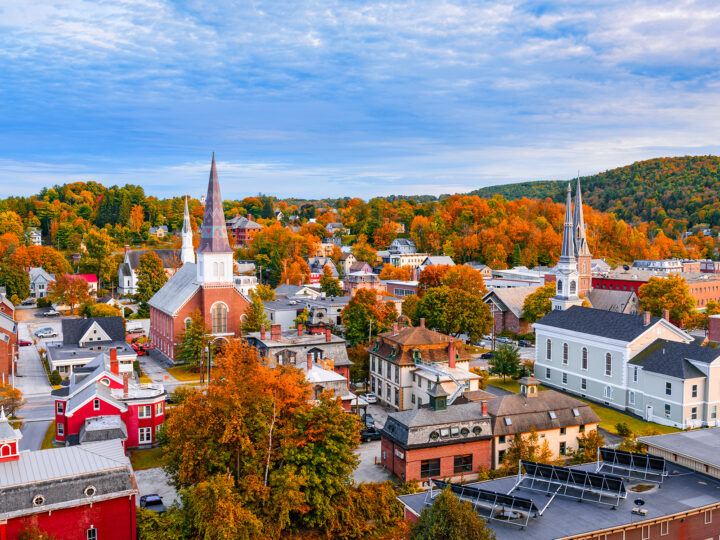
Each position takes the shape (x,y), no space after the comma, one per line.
(675,193)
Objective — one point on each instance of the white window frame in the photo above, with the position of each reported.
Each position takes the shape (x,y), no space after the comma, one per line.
(548,373)
(584,359)
(583,383)
(141,438)
(564,378)
(142,411)
(664,528)
(60,408)
(632,398)
(60,430)
(565,354)
(96,404)
(636,375)
(158,408)
(608,365)
(91,533)
(548,350)
(708,517)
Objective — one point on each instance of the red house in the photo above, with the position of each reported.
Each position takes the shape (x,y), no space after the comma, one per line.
(8,342)
(243,229)
(100,404)
(207,285)
(86,491)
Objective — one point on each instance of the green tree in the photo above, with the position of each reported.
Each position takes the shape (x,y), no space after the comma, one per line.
(528,448)
(265,292)
(450,519)
(588,445)
(151,277)
(670,293)
(328,284)
(255,316)
(410,308)
(454,312)
(365,310)
(537,304)
(15,280)
(192,339)
(505,361)
(100,247)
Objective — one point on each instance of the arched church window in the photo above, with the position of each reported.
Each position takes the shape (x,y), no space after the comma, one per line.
(219,318)
(559,286)
(573,287)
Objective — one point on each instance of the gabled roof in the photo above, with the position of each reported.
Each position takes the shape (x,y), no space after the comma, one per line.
(241,222)
(346,255)
(289,290)
(177,290)
(74,329)
(169,257)
(438,260)
(601,323)
(611,300)
(673,358)
(512,298)
(39,272)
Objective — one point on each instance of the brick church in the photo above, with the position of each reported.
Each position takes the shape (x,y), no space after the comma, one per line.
(207,284)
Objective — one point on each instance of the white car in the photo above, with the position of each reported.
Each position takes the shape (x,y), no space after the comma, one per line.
(370,397)
(51,313)
(46,332)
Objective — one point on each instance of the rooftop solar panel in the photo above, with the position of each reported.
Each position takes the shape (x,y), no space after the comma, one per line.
(632,464)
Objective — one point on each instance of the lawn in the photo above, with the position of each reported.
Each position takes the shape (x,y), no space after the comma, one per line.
(184,373)
(49,437)
(608,416)
(146,459)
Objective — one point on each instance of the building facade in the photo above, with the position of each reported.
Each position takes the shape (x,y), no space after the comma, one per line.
(40,281)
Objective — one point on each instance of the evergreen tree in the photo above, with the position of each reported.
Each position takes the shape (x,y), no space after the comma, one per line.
(151,277)
(255,316)
(192,340)
(505,361)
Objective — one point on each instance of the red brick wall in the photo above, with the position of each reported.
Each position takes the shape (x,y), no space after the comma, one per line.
(506,320)
(6,350)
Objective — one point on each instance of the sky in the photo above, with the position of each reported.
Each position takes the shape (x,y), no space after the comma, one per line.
(328,98)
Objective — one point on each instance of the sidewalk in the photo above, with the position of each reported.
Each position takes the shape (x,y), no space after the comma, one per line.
(30,378)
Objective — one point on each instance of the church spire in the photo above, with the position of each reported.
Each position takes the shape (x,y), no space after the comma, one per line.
(213,237)
(187,253)
(581,246)
(567,255)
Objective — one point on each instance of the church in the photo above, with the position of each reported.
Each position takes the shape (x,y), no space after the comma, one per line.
(206,284)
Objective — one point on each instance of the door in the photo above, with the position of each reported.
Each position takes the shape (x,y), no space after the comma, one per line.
(649,413)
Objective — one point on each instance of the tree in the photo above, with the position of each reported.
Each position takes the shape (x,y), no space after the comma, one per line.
(102,310)
(137,218)
(360,357)
(455,312)
(328,284)
(363,251)
(15,280)
(255,316)
(295,272)
(409,308)
(670,293)
(69,290)
(537,304)
(11,399)
(484,377)
(192,339)
(525,447)
(400,273)
(151,277)
(100,247)
(264,292)
(44,256)
(11,222)
(588,445)
(465,278)
(449,519)
(431,276)
(363,308)
(505,361)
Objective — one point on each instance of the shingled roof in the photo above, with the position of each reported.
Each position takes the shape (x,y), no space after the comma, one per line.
(170,257)
(673,358)
(74,329)
(512,298)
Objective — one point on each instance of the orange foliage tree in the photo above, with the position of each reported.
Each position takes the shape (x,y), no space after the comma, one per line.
(390,271)
(432,276)
(45,256)
(465,278)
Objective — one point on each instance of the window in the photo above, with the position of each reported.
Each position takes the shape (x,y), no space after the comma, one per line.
(388,370)
(429,468)
(462,463)
(584,358)
(547,373)
(713,411)
(581,429)
(501,439)
(188,323)
(562,448)
(397,397)
(60,407)
(60,430)
(145,435)
(412,398)
(693,413)
(608,365)
(419,402)
(379,389)
(145,411)
(501,455)
(668,388)
(563,431)
(219,318)
(397,375)
(572,287)
(645,532)
(632,398)
(564,378)
(158,408)
(372,384)
(667,410)
(96,404)
(635,374)
(694,390)
(559,286)
(92,534)
(583,384)
(664,528)
(565,353)
(607,392)
(387,392)
(548,350)
(708,517)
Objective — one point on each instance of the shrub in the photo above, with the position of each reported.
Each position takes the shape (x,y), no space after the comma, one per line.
(55,377)
(623,429)
(127,312)
(43,302)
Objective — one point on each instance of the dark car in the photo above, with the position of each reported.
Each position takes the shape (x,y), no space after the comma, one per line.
(28,302)
(525,343)
(369,434)
(368,420)
(153,502)
(24,342)
(487,355)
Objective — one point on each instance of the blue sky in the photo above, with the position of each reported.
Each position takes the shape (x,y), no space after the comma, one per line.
(334,98)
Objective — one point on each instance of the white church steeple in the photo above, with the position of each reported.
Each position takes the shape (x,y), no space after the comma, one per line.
(187,253)
(567,277)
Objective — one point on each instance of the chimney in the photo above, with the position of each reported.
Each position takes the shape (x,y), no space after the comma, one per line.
(114,366)
(287,281)
(127,248)
(452,352)
(422,322)
(328,336)
(309,361)
(395,329)
(275,332)
(484,408)
(126,385)
(249,216)
(666,314)
(262,331)
(300,329)
(646,318)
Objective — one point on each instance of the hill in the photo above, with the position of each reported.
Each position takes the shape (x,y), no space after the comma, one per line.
(683,190)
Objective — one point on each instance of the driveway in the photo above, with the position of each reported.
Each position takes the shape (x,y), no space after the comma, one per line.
(367,470)
(155,481)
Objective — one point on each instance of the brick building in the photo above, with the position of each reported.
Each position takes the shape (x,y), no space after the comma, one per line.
(206,285)
(8,341)
(506,306)
(242,229)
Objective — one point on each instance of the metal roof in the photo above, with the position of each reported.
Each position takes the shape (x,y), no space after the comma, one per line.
(699,444)
(177,290)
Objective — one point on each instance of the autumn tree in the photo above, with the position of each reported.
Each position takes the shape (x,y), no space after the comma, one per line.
(102,310)
(505,361)
(255,316)
(400,273)
(384,235)
(363,251)
(670,293)
(11,222)
(450,518)
(455,312)
(295,271)
(360,357)
(100,247)
(364,310)
(137,218)
(45,257)
(15,280)
(537,304)
(11,399)
(431,276)
(465,278)
(69,290)
(264,292)
(192,340)
(328,284)
(588,444)
(528,448)
(151,277)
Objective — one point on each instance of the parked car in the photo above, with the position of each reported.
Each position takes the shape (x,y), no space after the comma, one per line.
(487,355)
(24,342)
(525,343)
(28,302)
(368,420)
(51,313)
(369,434)
(370,397)
(46,332)
(503,340)
(153,502)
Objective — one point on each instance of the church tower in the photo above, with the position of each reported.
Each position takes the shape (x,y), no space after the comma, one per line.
(566,284)
(187,253)
(582,250)
(214,255)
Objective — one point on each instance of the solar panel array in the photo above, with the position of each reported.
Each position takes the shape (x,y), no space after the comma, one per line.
(633,464)
(573,483)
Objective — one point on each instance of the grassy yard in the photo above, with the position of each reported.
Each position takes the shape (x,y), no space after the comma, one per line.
(49,437)
(184,373)
(608,416)
(146,459)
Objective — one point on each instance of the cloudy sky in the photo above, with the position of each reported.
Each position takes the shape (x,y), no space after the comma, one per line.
(334,98)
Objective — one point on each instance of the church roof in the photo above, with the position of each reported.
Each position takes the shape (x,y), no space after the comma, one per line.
(610,300)
(169,257)
(177,290)
(213,237)
(581,245)
(186,228)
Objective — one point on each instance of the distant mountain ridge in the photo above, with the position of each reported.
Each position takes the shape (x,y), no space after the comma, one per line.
(682,189)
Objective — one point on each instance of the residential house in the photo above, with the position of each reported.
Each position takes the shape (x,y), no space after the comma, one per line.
(40,281)
(354,281)
(407,362)
(484,269)
(243,229)
(34,237)
(336,229)
(347,259)
(84,339)
(87,491)
(158,232)
(127,270)
(400,246)
(296,292)
(8,343)
(317,266)
(91,280)
(436,260)
(326,310)
(284,311)
(400,288)
(413,260)
(506,307)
